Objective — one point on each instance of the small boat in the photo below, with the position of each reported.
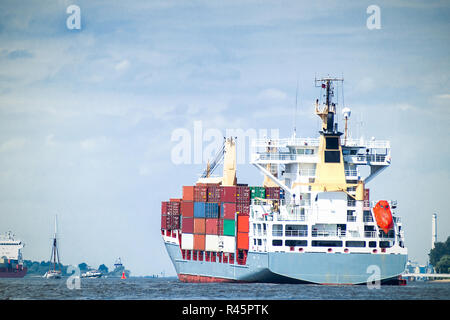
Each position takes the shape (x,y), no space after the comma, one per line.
(91,274)
(54,271)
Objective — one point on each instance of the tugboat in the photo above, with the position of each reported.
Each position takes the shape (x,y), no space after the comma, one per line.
(311,221)
(54,271)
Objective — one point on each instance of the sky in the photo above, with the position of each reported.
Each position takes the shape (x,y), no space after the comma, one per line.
(87,115)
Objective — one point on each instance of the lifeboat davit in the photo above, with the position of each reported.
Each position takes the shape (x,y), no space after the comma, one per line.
(383,215)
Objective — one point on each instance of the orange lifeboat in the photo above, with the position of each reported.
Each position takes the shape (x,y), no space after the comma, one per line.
(383,215)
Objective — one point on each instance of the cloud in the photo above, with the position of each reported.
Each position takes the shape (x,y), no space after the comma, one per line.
(122,65)
(272,94)
(12,144)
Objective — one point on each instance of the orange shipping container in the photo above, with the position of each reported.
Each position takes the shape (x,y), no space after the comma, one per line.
(199,242)
(188,193)
(242,240)
(242,223)
(199,225)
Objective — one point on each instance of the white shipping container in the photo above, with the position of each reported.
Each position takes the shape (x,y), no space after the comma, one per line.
(187,241)
(228,243)
(212,243)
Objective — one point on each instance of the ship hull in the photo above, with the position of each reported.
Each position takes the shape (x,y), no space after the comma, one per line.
(286,267)
(5,273)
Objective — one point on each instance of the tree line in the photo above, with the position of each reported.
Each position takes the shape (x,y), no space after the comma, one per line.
(440,256)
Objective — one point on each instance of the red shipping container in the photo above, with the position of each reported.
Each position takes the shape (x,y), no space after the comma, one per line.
(242,240)
(211,226)
(200,193)
(187,209)
(366,194)
(243,209)
(188,193)
(243,223)
(199,225)
(214,193)
(220,227)
(199,242)
(229,210)
(188,225)
(175,200)
(164,207)
(273,193)
(228,194)
(174,208)
(164,221)
(243,195)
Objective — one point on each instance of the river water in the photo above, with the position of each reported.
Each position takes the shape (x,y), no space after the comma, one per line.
(30,288)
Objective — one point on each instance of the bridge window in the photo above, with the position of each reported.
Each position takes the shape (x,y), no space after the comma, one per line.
(326,243)
(332,156)
(294,230)
(277,243)
(296,243)
(332,143)
(277,230)
(355,244)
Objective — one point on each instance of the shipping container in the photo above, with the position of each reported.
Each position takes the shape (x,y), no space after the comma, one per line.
(188,193)
(220,227)
(199,225)
(187,225)
(273,193)
(212,243)
(257,192)
(211,226)
(164,207)
(200,193)
(243,195)
(228,194)
(187,241)
(242,209)
(242,224)
(206,210)
(227,244)
(164,218)
(174,208)
(199,242)
(175,200)
(228,210)
(242,240)
(187,209)
(366,194)
(199,210)
(229,228)
(214,193)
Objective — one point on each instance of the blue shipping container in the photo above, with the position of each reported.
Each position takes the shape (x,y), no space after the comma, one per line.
(199,210)
(206,210)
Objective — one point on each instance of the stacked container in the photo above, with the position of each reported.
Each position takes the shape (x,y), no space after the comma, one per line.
(242,232)
(273,193)
(257,192)
(170,214)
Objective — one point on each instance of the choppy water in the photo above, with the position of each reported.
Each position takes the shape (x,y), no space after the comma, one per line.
(171,288)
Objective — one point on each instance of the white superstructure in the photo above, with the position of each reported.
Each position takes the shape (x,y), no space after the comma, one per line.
(10,248)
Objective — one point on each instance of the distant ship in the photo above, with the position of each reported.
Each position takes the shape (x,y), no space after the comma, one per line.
(54,271)
(11,262)
(93,273)
(310,222)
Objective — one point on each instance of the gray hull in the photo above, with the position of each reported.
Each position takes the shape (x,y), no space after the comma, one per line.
(286,267)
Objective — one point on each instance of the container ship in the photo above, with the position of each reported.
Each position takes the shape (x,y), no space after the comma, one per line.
(312,220)
(11,263)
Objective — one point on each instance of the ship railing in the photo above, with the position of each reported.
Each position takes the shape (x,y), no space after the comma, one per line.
(292,217)
(367,219)
(307,172)
(351,173)
(296,233)
(326,233)
(280,143)
(376,144)
(269,156)
(363,158)
(277,233)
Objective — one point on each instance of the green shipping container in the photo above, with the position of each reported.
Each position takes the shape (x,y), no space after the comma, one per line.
(228,227)
(257,192)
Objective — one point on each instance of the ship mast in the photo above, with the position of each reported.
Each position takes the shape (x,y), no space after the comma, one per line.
(55,253)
